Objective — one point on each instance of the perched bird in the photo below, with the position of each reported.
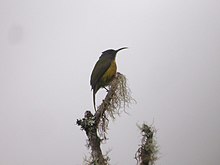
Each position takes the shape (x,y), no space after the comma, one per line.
(104,71)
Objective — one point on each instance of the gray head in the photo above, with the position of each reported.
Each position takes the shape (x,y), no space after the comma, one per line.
(111,53)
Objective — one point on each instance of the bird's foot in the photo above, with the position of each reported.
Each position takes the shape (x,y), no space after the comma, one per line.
(106,89)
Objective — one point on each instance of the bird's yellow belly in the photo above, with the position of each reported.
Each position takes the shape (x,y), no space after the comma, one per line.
(110,73)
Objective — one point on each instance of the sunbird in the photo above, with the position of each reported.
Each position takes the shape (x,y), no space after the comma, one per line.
(104,71)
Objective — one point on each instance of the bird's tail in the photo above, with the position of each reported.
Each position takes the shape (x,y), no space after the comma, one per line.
(94,99)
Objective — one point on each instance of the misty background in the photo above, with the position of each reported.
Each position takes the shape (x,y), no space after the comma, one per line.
(48,49)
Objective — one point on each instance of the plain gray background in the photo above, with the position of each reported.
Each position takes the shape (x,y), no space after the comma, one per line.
(48,49)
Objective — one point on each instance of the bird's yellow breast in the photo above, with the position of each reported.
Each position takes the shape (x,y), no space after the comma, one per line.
(110,73)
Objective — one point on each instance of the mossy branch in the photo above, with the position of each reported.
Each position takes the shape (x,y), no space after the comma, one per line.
(96,125)
(147,152)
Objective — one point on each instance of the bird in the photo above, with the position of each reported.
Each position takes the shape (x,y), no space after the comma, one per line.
(104,71)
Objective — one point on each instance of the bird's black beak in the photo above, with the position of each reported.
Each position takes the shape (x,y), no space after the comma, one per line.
(121,49)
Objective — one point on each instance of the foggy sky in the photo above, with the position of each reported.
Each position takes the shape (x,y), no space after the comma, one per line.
(48,50)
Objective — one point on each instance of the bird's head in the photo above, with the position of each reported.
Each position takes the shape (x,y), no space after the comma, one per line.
(111,53)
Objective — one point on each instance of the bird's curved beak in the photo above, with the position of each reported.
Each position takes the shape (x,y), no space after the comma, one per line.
(121,49)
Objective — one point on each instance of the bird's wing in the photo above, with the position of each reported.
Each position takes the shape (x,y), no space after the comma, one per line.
(100,68)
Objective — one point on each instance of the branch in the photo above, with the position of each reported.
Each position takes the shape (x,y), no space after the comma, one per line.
(147,153)
(88,124)
(96,125)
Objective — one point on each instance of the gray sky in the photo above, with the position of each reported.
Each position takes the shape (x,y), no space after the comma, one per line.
(48,49)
